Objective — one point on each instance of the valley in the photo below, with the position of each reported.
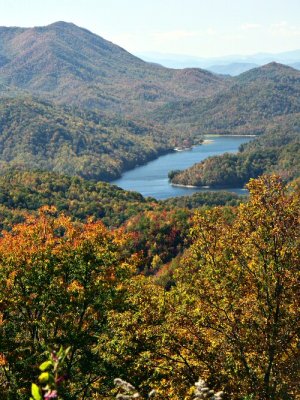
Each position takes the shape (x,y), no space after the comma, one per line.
(149,222)
(91,109)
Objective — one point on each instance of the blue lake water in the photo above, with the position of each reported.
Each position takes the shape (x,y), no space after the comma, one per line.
(151,179)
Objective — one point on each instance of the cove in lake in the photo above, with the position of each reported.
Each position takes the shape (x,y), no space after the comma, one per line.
(151,179)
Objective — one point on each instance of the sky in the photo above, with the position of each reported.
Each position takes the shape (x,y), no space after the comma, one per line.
(201,28)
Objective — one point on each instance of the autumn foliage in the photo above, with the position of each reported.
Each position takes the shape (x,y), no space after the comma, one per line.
(243,297)
(231,315)
(58,281)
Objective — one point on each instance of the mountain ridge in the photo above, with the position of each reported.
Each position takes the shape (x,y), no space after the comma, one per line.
(253,100)
(60,60)
(37,135)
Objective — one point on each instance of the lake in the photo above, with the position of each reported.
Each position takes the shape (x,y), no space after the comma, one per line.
(151,179)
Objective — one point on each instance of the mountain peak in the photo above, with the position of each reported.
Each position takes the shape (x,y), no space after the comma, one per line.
(275,65)
(61,24)
(272,71)
(65,26)
(71,64)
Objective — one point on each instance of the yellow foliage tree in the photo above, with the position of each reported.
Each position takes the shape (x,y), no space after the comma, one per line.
(239,284)
(232,316)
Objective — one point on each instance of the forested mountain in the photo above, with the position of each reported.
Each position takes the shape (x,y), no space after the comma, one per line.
(69,64)
(98,80)
(38,135)
(62,91)
(253,101)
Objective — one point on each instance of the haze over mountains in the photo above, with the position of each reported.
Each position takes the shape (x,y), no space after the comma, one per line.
(229,65)
(76,103)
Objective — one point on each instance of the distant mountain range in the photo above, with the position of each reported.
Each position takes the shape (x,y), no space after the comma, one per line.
(229,65)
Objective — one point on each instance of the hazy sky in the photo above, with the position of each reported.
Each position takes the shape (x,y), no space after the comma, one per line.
(201,28)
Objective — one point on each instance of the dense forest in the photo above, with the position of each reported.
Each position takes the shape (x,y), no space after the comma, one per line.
(158,228)
(229,316)
(39,135)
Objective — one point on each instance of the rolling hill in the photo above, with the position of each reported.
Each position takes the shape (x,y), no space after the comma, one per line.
(27,191)
(253,101)
(36,134)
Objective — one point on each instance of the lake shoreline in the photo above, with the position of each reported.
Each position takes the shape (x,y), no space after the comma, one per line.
(185,186)
(208,188)
(129,166)
(151,179)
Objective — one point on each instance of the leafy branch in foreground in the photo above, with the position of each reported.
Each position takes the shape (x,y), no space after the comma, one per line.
(51,377)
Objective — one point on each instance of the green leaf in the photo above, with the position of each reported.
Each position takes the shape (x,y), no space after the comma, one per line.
(45,365)
(60,352)
(36,392)
(44,377)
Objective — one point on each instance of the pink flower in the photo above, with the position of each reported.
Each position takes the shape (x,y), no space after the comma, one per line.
(51,395)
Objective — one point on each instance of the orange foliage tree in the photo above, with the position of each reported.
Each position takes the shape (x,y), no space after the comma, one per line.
(58,280)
